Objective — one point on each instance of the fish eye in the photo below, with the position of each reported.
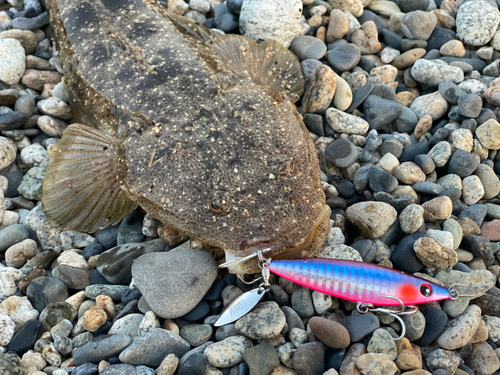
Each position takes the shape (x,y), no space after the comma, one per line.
(219,203)
(426,290)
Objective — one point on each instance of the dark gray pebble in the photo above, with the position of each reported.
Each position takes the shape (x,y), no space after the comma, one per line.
(392,39)
(425,163)
(485,115)
(91,250)
(226,331)
(470,105)
(86,369)
(479,246)
(234,6)
(112,291)
(314,123)
(344,187)
(12,235)
(115,264)
(368,15)
(344,57)
(130,229)
(262,358)
(310,358)
(199,312)
(383,91)
(44,290)
(308,47)
(107,237)
(31,23)
(404,258)
(293,320)
(380,180)
(379,112)
(407,6)
(224,20)
(428,188)
(399,202)
(196,334)
(278,295)
(439,36)
(341,152)
(462,163)
(360,326)
(477,64)
(450,91)
(152,347)
(215,290)
(73,277)
(411,151)
(476,212)
(359,96)
(302,302)
(25,338)
(120,369)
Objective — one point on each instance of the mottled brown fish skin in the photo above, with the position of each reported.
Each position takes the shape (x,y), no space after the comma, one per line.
(203,149)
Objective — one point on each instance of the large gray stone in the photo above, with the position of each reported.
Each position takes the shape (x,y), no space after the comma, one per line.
(173,283)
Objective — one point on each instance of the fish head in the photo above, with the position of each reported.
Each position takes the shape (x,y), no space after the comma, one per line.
(242,175)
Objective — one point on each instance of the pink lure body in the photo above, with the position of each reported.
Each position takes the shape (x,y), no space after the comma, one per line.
(358,281)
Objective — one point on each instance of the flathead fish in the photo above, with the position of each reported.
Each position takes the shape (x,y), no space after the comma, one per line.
(197,128)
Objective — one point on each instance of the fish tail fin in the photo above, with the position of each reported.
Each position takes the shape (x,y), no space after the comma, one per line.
(81,190)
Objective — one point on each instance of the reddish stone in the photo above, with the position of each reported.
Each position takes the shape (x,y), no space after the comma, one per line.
(491,230)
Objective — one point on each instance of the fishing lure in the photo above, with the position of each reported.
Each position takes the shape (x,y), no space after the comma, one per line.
(365,283)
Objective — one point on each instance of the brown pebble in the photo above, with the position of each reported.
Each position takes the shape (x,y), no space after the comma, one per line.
(321,33)
(107,304)
(409,173)
(423,126)
(407,59)
(437,209)
(94,318)
(337,27)
(366,38)
(34,62)
(348,365)
(491,230)
(35,79)
(321,90)
(468,227)
(444,19)
(330,333)
(405,98)
(25,37)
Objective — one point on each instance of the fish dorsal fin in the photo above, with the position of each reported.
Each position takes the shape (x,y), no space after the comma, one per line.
(268,63)
(189,27)
(80,189)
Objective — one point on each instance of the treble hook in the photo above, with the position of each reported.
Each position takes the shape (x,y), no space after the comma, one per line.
(364,308)
(454,292)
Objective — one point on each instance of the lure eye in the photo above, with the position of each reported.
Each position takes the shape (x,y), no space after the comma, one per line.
(426,290)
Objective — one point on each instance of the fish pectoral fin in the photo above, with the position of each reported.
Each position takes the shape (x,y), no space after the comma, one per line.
(268,63)
(80,189)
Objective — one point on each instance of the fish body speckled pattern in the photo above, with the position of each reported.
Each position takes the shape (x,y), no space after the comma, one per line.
(197,128)
(358,281)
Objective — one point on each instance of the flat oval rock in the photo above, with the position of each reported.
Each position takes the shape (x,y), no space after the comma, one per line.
(173,283)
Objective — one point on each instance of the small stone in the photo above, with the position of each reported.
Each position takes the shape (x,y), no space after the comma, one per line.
(473,190)
(196,334)
(443,359)
(285,21)
(476,22)
(411,218)
(7,327)
(152,347)
(489,134)
(298,336)
(228,352)
(440,153)
(470,105)
(265,321)
(94,318)
(320,90)
(12,61)
(437,209)
(491,230)
(8,151)
(360,326)
(32,182)
(409,173)
(338,26)
(433,254)
(36,79)
(262,358)
(56,312)
(168,365)
(321,301)
(380,180)
(52,126)
(329,332)
(309,358)
(372,219)
(344,57)
(460,330)
(345,123)
(17,255)
(341,152)
(434,105)
(407,358)
(382,342)
(343,94)
(483,359)
(366,38)
(408,58)
(432,73)
(418,24)
(19,310)
(374,363)
(101,348)
(388,163)
(308,47)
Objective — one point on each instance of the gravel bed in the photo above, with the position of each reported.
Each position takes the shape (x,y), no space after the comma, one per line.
(401,100)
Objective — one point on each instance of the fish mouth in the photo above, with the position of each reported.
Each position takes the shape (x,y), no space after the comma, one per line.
(245,262)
